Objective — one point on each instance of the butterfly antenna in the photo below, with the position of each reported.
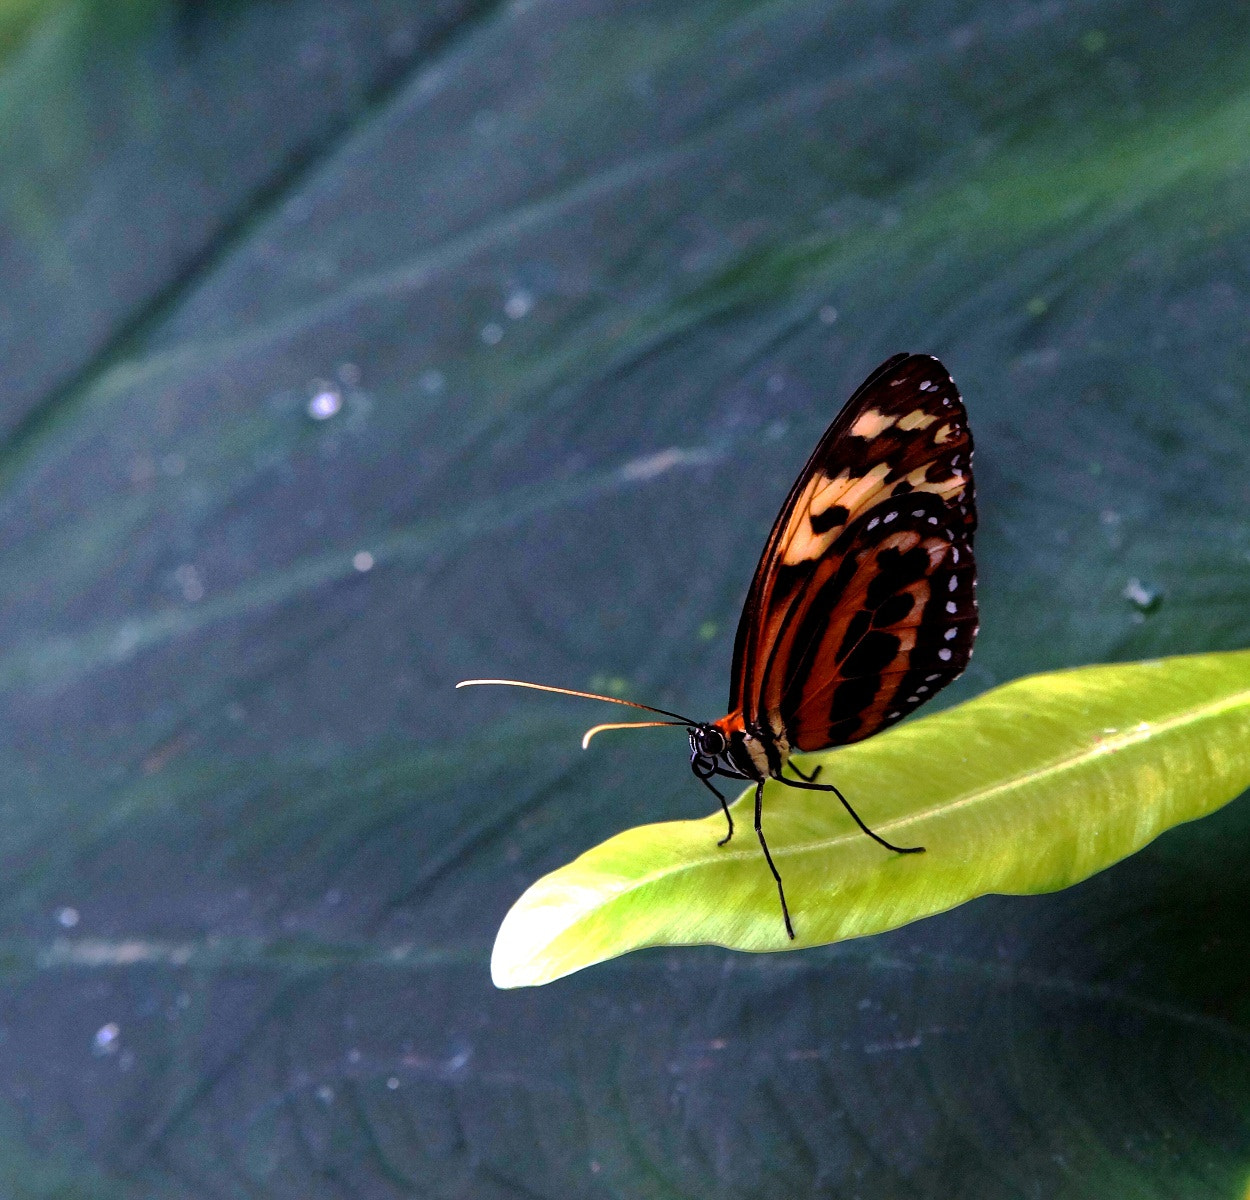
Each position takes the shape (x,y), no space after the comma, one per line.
(623,725)
(559,691)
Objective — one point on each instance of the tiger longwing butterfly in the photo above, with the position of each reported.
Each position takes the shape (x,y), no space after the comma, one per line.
(864,601)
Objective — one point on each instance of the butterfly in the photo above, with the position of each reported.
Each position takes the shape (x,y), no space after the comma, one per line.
(863,605)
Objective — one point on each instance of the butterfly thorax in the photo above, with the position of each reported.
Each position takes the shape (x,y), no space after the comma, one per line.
(735,749)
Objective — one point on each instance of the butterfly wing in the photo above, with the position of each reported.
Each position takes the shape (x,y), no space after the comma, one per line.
(863,604)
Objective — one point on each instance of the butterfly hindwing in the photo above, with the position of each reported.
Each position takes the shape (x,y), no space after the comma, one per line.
(863,604)
(901,622)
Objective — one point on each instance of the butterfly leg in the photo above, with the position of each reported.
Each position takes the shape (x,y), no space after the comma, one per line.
(724,804)
(828,787)
(806,778)
(759,832)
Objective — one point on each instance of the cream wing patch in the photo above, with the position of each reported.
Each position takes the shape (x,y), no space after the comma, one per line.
(869,424)
(950,488)
(809,537)
(917,419)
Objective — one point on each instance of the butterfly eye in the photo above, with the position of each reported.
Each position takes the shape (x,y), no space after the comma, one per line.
(711,741)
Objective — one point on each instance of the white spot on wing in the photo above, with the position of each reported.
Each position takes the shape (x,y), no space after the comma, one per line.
(944,654)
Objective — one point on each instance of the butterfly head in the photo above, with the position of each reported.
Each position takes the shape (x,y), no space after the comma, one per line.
(707,747)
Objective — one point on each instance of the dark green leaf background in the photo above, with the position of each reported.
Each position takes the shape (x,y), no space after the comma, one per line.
(587,280)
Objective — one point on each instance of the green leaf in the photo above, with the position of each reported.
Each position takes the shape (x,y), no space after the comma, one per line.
(1029,788)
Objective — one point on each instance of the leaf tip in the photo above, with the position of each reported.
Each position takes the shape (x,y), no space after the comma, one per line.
(534,946)
(508,972)
(520,957)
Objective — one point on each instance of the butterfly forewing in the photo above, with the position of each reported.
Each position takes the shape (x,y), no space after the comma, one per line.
(863,604)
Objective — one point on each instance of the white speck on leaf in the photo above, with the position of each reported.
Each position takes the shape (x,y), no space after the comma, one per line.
(326,402)
(518,305)
(106,1038)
